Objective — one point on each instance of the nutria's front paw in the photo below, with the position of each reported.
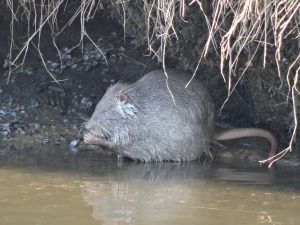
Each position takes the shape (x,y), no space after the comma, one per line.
(90,139)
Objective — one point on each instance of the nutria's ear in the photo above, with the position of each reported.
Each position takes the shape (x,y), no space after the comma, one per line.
(123,97)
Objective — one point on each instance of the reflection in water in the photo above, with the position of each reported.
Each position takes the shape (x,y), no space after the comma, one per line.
(146,191)
(244,177)
(175,193)
(86,188)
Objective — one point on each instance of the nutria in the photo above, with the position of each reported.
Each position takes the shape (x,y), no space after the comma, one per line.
(157,119)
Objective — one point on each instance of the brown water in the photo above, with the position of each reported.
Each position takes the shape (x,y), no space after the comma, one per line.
(87,188)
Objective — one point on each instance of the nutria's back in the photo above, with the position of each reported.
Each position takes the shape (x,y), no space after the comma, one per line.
(142,121)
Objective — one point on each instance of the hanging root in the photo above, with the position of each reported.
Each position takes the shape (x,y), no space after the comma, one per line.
(242,26)
(39,14)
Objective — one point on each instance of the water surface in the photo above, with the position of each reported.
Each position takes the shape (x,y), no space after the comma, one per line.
(87,188)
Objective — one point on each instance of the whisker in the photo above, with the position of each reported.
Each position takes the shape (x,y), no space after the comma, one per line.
(99,131)
(105,130)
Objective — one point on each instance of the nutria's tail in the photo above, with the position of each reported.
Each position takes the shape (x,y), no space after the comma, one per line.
(249,132)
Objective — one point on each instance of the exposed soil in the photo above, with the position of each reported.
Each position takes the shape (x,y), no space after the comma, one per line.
(35,110)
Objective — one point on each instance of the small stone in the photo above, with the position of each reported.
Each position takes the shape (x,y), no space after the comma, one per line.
(284,60)
(54,65)
(87,68)
(66,50)
(91,56)
(86,102)
(254,157)
(74,66)
(105,70)
(6,63)
(94,63)
(4,133)
(76,60)
(69,57)
(98,55)
(69,63)
(112,59)
(122,49)
(1,91)
(28,72)
(5,129)
(5,125)
(85,57)
(45,141)
(2,112)
(93,52)
(20,131)
(34,103)
(36,126)
(227,155)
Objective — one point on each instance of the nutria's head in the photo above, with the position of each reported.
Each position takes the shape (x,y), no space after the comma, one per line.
(111,121)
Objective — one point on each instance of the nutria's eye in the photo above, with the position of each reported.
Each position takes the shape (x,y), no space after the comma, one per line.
(123,97)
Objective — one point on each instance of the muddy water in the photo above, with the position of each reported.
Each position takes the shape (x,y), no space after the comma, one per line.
(88,188)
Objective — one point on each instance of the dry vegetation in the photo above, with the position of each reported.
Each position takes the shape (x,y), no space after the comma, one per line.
(234,28)
(42,14)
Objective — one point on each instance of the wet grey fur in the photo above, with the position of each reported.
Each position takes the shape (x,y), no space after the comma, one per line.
(148,125)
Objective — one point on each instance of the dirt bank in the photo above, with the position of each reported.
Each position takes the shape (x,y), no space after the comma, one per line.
(35,110)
